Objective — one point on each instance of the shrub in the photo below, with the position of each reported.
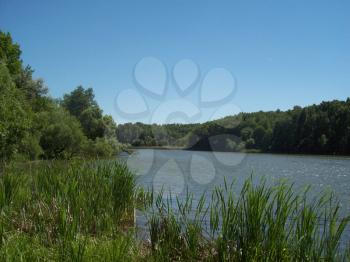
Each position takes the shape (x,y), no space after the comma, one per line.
(62,136)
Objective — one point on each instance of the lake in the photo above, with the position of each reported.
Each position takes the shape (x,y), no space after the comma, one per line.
(197,171)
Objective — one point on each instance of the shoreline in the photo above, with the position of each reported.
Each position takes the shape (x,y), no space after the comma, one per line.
(243,152)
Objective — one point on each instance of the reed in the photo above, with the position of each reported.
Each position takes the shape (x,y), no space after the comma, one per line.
(61,210)
(83,211)
(261,223)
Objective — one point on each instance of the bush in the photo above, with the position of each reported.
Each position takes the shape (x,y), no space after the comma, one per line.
(30,148)
(62,136)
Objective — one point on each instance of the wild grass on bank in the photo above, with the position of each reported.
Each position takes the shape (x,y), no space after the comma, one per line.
(261,223)
(83,211)
(66,211)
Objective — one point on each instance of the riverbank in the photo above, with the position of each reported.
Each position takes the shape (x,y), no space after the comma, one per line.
(159,147)
(83,211)
(247,151)
(190,149)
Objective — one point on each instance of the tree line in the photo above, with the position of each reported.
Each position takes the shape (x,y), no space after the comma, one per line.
(33,125)
(315,129)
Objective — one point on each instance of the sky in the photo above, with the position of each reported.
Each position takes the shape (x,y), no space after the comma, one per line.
(280,53)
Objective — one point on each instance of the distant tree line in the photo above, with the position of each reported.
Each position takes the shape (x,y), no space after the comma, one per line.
(316,129)
(33,125)
(140,134)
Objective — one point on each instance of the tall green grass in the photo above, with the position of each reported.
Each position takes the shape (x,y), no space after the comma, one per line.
(64,210)
(261,223)
(83,211)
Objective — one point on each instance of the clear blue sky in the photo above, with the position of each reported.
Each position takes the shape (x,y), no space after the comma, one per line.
(283,53)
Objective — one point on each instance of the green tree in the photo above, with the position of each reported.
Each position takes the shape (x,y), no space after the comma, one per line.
(231,145)
(10,54)
(33,89)
(15,116)
(246,133)
(258,135)
(250,143)
(92,122)
(79,100)
(81,104)
(62,136)
(110,127)
(100,148)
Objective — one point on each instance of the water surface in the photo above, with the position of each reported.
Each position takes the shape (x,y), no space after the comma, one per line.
(199,172)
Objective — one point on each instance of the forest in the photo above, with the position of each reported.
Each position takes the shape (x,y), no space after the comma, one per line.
(34,125)
(315,129)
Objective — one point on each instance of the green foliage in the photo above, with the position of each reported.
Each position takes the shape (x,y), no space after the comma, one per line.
(30,148)
(33,125)
(110,127)
(10,54)
(81,104)
(140,134)
(258,135)
(61,136)
(100,129)
(79,100)
(316,129)
(33,89)
(101,148)
(54,211)
(250,143)
(15,116)
(231,145)
(91,121)
(247,133)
